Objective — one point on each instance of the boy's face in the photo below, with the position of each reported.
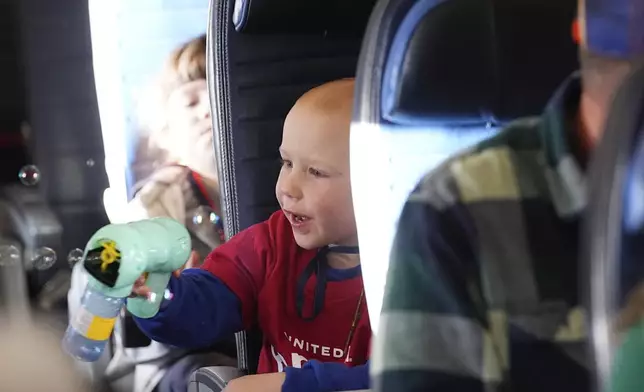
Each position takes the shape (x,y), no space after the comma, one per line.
(190,127)
(314,187)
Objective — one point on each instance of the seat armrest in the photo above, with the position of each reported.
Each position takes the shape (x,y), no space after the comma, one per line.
(213,378)
(14,294)
(27,216)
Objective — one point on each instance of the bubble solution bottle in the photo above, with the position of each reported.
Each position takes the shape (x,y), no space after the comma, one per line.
(90,329)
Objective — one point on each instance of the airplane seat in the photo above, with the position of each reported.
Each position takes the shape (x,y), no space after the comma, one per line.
(27,224)
(14,293)
(435,77)
(612,241)
(26,221)
(62,131)
(14,230)
(263,55)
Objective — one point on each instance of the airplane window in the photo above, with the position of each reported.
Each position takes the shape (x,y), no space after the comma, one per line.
(130,41)
(386,164)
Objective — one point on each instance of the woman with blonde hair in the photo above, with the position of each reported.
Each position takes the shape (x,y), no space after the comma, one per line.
(183,186)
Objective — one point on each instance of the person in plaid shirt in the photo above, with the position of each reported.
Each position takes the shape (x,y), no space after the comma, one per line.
(483,290)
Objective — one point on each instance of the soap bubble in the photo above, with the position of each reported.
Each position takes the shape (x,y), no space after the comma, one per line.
(205,215)
(197,218)
(201,215)
(44,258)
(152,297)
(74,256)
(90,162)
(167,295)
(214,218)
(9,255)
(29,175)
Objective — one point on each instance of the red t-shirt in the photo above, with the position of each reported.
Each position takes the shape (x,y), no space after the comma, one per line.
(261,265)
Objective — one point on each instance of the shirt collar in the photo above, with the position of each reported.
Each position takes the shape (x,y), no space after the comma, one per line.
(564,174)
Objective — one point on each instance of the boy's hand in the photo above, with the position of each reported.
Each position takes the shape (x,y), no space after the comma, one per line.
(269,382)
(194,261)
(139,289)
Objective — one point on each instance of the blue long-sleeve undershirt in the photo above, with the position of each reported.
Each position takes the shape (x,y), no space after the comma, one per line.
(203,310)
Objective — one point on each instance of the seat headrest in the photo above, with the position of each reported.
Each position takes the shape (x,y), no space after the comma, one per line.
(302,16)
(477,61)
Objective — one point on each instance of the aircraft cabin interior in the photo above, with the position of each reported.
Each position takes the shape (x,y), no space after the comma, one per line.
(309,195)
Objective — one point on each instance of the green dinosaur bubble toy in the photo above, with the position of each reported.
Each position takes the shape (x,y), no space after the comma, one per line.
(115,258)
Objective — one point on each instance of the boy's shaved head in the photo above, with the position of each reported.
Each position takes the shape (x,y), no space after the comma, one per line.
(334,98)
(327,110)
(314,184)
(330,104)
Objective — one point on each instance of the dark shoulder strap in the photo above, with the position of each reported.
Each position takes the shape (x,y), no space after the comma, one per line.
(199,190)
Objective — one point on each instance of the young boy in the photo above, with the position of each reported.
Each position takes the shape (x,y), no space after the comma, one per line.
(296,275)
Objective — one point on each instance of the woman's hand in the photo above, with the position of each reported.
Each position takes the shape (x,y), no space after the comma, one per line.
(139,289)
(269,382)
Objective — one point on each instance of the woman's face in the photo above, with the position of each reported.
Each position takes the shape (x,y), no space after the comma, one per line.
(190,127)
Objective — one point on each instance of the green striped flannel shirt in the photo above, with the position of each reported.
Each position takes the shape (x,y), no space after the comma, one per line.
(483,290)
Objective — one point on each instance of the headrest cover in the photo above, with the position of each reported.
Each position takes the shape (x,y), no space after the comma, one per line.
(302,16)
(506,64)
(612,28)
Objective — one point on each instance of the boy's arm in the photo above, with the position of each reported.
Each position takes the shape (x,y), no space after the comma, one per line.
(318,376)
(201,312)
(314,376)
(433,333)
(217,300)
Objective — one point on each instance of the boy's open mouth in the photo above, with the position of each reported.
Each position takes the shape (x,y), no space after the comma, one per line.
(296,219)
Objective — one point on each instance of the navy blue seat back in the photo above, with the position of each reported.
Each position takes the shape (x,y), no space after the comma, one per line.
(263,55)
